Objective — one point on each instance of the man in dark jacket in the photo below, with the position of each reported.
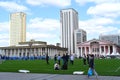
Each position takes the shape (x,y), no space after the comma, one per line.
(47,58)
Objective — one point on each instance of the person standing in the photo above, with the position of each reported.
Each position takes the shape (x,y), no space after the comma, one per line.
(88,59)
(59,58)
(84,59)
(72,59)
(64,62)
(47,59)
(55,58)
(67,57)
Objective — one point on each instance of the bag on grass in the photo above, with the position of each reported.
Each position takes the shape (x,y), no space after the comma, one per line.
(90,72)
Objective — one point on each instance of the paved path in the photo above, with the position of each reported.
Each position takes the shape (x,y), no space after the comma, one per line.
(30,76)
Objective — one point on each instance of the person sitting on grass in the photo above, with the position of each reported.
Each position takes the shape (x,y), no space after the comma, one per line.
(56,66)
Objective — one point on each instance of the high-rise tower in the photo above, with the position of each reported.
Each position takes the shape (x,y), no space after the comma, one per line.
(68,23)
(17,28)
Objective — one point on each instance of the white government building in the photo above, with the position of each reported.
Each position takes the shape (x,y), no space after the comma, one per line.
(31,49)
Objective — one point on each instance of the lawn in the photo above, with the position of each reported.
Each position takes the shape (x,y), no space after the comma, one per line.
(106,67)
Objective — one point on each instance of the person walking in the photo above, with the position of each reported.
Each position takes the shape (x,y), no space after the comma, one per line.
(91,66)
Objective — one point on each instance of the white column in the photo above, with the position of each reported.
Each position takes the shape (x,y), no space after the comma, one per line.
(89,50)
(46,51)
(26,51)
(22,53)
(100,52)
(18,53)
(108,49)
(39,51)
(81,52)
(114,49)
(35,51)
(85,51)
(3,52)
(14,55)
(6,53)
(10,54)
(50,51)
(104,50)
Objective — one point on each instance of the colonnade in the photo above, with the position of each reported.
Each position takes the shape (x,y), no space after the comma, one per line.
(27,52)
(100,50)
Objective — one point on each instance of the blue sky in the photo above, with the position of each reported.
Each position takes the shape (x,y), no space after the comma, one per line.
(43,18)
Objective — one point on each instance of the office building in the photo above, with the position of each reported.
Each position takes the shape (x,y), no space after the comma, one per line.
(112,38)
(68,23)
(80,36)
(17,28)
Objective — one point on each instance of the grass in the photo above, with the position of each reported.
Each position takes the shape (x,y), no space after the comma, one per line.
(104,67)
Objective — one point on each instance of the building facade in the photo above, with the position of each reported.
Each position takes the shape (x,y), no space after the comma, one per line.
(113,38)
(68,23)
(32,49)
(98,48)
(80,36)
(17,28)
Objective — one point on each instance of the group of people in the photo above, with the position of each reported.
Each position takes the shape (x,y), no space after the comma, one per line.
(89,59)
(64,58)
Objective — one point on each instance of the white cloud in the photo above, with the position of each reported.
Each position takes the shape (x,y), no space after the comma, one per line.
(61,3)
(4,42)
(4,33)
(4,26)
(97,26)
(105,10)
(44,30)
(47,37)
(98,21)
(44,24)
(83,2)
(40,36)
(12,6)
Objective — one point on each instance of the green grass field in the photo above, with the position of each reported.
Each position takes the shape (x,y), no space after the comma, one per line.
(106,67)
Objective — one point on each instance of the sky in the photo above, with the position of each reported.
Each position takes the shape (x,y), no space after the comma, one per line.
(96,17)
